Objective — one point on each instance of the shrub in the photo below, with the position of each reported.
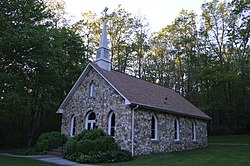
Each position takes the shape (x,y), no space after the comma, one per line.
(94,146)
(105,157)
(71,146)
(48,141)
(103,144)
(74,156)
(91,141)
(90,135)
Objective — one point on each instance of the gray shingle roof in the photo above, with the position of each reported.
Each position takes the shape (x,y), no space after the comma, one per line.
(149,95)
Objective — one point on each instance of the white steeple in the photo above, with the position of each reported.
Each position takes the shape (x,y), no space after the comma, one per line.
(102,53)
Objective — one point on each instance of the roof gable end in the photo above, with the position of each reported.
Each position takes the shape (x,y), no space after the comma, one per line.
(78,82)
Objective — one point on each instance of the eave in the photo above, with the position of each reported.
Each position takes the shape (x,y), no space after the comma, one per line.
(140,105)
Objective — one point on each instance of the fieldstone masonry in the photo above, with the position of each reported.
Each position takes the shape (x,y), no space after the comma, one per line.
(106,99)
(165,136)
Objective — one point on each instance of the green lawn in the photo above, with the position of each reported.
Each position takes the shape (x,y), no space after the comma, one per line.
(235,139)
(213,155)
(16,161)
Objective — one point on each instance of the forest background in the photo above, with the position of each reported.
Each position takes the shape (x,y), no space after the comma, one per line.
(42,54)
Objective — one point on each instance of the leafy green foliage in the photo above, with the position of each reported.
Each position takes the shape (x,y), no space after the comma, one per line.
(91,141)
(39,62)
(105,157)
(48,141)
(41,57)
(94,146)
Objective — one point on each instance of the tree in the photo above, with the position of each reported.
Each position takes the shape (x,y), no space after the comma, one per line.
(88,27)
(39,63)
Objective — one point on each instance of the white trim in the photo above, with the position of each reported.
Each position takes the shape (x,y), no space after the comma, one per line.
(127,102)
(133,128)
(78,82)
(110,123)
(87,121)
(194,131)
(91,89)
(72,126)
(73,89)
(177,130)
(60,110)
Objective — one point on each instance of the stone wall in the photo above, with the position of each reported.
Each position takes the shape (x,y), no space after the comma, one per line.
(165,141)
(106,99)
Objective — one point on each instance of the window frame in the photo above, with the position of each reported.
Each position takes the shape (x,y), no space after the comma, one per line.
(73,126)
(91,89)
(91,122)
(176,130)
(155,129)
(194,135)
(110,126)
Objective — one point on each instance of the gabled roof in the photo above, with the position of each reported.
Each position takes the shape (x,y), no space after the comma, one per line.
(142,93)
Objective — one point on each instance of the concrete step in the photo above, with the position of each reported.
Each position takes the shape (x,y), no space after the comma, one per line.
(60,154)
(59,151)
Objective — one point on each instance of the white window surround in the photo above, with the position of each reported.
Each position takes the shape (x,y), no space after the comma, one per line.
(72,126)
(154,128)
(110,125)
(89,121)
(194,131)
(91,89)
(176,130)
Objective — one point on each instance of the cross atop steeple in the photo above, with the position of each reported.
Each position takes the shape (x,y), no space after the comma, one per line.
(102,53)
(105,12)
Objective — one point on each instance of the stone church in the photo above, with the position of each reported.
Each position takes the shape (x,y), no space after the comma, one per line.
(141,116)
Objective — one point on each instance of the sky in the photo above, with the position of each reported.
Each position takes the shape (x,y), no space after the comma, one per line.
(159,13)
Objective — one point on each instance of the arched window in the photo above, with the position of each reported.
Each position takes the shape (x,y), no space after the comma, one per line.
(154,128)
(193,131)
(90,121)
(91,89)
(176,130)
(73,126)
(111,125)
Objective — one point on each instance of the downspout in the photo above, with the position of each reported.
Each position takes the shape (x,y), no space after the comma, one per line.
(133,126)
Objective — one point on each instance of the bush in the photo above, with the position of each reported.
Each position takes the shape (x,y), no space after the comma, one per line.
(91,141)
(105,157)
(48,141)
(73,156)
(103,144)
(71,146)
(90,135)
(94,146)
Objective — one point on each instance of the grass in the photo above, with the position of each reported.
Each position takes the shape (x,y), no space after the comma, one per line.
(213,155)
(17,161)
(234,139)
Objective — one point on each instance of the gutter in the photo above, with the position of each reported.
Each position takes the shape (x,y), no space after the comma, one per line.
(133,127)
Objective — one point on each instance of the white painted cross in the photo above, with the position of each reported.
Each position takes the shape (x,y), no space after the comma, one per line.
(105,12)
